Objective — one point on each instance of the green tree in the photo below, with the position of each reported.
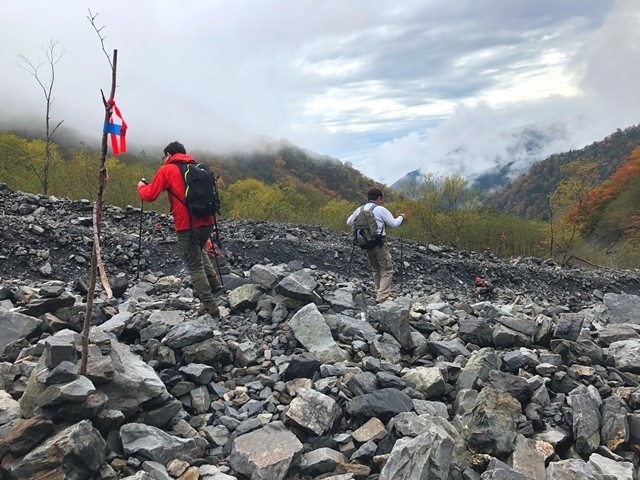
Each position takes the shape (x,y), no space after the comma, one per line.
(251,198)
(22,162)
(565,204)
(334,214)
(443,206)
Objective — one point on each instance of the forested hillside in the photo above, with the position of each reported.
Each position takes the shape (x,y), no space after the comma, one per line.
(69,172)
(283,162)
(528,195)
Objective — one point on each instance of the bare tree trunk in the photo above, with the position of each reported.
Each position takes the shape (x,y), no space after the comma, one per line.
(96,261)
(53,55)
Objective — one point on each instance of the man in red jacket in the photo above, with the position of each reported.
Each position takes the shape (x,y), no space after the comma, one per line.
(193,232)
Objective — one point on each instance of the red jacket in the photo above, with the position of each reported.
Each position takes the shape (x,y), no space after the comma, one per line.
(169,177)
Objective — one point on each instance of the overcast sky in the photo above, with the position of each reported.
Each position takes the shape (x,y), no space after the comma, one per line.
(391,86)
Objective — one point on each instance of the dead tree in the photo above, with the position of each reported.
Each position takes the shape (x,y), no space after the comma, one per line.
(96,258)
(53,52)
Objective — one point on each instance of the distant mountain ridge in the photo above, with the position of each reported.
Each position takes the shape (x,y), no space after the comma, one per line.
(528,195)
(500,156)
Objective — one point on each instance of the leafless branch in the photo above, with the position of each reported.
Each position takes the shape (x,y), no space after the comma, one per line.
(53,53)
(56,127)
(92,20)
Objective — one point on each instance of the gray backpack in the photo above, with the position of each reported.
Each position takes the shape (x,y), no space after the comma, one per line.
(365,229)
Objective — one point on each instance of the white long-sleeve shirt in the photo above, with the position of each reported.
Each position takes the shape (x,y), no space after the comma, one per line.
(382,215)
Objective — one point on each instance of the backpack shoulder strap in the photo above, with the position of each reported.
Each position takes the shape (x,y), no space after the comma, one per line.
(182,167)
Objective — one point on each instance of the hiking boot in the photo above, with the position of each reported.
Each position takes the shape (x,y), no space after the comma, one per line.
(384,299)
(215,283)
(213,310)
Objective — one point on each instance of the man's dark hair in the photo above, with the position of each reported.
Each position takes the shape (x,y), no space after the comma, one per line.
(173,148)
(374,193)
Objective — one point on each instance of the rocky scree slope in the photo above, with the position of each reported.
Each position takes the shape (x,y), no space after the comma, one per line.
(304,376)
(50,238)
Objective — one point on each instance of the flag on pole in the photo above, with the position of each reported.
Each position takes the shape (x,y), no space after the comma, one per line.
(116,131)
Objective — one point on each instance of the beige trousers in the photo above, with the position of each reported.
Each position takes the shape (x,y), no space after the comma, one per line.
(382,266)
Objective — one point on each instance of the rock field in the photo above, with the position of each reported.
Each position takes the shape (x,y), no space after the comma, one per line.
(533,375)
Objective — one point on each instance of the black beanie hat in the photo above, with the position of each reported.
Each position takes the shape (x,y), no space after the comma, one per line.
(173,148)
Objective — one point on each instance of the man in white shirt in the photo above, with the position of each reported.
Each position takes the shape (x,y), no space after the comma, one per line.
(379,256)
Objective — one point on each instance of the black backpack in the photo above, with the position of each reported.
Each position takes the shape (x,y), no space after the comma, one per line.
(365,229)
(200,190)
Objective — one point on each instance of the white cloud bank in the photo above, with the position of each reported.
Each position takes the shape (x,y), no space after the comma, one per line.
(390,86)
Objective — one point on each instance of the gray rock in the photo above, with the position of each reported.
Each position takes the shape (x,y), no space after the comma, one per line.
(482,362)
(497,470)
(569,326)
(208,352)
(246,354)
(189,333)
(622,308)
(527,459)
(134,382)
(198,372)
(341,299)
(313,411)
(573,469)
(9,408)
(245,297)
(425,456)
(313,333)
(448,349)
(512,384)
(321,460)
(476,330)
(352,327)
(16,326)
(40,306)
(607,469)
(386,351)
(265,276)
(155,444)
(426,407)
(298,285)
(265,454)
(626,355)
(617,332)
(372,430)
(75,391)
(505,337)
(491,427)
(58,349)
(615,426)
(586,421)
(75,452)
(116,324)
(383,404)
(429,381)
(393,318)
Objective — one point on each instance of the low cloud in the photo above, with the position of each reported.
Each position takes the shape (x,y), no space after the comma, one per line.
(448,87)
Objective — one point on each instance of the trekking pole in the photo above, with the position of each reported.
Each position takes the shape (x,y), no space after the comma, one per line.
(140,232)
(216,244)
(140,239)
(401,261)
